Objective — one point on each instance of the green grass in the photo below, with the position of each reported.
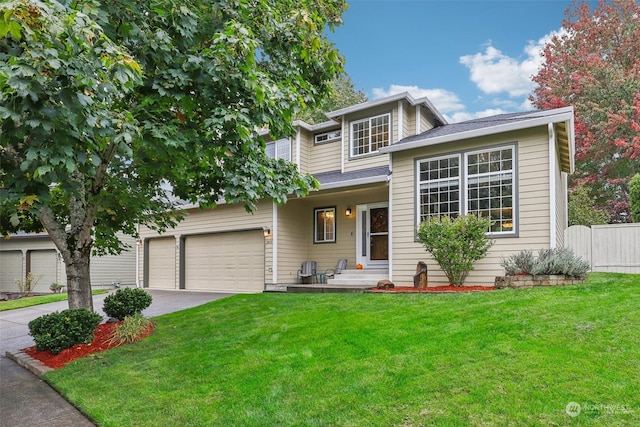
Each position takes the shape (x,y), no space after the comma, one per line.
(37,300)
(505,358)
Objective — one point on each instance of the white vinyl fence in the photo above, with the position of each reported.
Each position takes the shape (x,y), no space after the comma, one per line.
(609,248)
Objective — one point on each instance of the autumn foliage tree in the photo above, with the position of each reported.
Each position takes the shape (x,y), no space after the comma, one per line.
(104,106)
(594,65)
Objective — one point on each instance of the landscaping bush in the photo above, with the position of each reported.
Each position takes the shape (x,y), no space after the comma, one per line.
(126,302)
(60,330)
(520,263)
(456,244)
(132,329)
(550,261)
(634,197)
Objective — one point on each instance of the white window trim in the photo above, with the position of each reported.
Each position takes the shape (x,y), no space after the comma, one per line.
(332,136)
(275,145)
(368,119)
(463,179)
(315,225)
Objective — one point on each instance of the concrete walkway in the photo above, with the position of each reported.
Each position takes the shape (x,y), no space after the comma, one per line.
(28,401)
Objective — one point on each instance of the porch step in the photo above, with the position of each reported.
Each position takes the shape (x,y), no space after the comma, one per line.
(360,278)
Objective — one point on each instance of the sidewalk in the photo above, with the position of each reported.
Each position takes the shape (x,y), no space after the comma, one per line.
(28,401)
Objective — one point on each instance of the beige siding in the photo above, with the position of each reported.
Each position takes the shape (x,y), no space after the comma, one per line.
(533,191)
(408,123)
(306,141)
(324,157)
(110,268)
(426,122)
(294,234)
(223,218)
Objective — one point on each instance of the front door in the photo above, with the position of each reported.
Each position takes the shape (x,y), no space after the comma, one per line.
(373,235)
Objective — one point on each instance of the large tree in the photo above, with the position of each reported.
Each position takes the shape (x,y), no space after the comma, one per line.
(105,106)
(594,65)
(343,94)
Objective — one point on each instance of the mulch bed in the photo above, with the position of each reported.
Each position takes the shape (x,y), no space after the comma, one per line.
(101,342)
(434,289)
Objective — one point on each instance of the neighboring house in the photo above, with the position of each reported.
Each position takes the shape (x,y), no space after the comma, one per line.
(383,166)
(36,253)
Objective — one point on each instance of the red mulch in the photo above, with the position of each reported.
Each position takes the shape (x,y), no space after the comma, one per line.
(443,289)
(102,336)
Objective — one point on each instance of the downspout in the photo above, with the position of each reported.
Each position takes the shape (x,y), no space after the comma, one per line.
(342,134)
(400,120)
(553,220)
(274,246)
(138,241)
(390,214)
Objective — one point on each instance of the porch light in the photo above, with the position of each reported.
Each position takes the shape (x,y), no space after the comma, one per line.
(267,231)
(347,211)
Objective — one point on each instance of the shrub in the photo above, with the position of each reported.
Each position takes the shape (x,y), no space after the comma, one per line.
(26,285)
(132,329)
(126,302)
(520,263)
(634,197)
(456,244)
(549,261)
(60,330)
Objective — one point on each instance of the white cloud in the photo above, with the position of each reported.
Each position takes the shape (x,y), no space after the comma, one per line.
(462,116)
(444,100)
(494,72)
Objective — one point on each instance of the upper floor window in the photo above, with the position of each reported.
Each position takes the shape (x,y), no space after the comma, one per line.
(478,182)
(334,135)
(280,149)
(371,134)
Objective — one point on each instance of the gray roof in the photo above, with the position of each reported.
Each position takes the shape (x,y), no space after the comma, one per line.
(470,125)
(335,179)
(486,126)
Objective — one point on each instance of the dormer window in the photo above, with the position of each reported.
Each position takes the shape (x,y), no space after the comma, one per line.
(370,134)
(280,149)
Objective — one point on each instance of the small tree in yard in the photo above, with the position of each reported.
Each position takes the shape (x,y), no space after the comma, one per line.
(456,244)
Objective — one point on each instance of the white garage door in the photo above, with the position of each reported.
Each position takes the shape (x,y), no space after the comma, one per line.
(162,263)
(226,262)
(10,270)
(44,264)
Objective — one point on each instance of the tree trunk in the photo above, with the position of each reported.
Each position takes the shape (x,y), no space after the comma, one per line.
(79,280)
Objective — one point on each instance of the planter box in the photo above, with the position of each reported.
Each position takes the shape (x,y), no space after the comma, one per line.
(527,281)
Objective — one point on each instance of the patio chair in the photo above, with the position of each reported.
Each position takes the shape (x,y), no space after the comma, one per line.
(307,270)
(341,265)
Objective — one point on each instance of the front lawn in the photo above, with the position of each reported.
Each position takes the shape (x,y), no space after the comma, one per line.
(504,358)
(38,299)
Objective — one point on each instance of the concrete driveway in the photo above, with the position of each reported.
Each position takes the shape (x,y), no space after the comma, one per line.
(28,401)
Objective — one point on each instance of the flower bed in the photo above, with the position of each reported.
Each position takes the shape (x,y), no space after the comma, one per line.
(529,281)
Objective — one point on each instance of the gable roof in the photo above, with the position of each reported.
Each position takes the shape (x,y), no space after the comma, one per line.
(335,115)
(560,118)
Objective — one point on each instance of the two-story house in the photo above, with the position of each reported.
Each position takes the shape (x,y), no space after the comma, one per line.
(383,167)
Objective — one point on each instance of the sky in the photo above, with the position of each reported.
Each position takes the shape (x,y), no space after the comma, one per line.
(471,58)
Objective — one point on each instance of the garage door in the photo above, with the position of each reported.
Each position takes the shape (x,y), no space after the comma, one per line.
(10,270)
(226,262)
(44,264)
(162,263)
